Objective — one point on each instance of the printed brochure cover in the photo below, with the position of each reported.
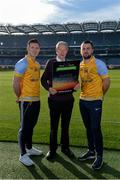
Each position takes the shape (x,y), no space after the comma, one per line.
(65,75)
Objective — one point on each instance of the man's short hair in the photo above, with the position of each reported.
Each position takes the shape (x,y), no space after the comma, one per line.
(33,41)
(63,43)
(88,42)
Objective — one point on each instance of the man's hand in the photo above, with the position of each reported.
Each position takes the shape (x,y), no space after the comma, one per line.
(52,91)
(17,99)
(77,87)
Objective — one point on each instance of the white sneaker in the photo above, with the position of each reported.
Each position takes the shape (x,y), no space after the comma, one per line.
(26,160)
(34,151)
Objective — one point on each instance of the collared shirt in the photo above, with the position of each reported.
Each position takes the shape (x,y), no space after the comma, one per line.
(91,75)
(58,59)
(29,70)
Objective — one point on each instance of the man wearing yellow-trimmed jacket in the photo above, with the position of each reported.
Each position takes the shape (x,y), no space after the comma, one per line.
(26,85)
(95,82)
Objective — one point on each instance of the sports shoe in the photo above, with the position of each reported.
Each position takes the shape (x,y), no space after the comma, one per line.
(33,151)
(67,152)
(97,164)
(50,155)
(87,156)
(26,160)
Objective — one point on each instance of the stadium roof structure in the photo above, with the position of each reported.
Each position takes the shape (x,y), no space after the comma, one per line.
(60,28)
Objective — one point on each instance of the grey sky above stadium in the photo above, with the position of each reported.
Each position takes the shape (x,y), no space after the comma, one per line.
(57,11)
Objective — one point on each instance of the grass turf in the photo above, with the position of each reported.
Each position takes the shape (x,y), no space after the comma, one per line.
(61,168)
(9,115)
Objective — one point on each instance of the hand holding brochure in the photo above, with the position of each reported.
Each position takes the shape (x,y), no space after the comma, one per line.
(65,75)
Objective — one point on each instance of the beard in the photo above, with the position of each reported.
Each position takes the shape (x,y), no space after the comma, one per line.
(87,57)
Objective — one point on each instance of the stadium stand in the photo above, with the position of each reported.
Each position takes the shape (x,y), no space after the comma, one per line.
(105,36)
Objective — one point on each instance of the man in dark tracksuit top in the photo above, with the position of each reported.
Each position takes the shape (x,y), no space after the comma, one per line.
(60,105)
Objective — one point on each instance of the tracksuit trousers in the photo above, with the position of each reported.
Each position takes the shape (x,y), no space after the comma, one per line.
(91,112)
(29,112)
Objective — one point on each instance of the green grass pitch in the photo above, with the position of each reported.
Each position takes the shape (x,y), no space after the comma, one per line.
(9,115)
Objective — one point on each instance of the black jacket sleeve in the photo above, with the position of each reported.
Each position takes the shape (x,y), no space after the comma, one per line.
(46,79)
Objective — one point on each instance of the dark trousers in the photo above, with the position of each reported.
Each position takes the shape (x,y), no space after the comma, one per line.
(29,112)
(59,109)
(91,112)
